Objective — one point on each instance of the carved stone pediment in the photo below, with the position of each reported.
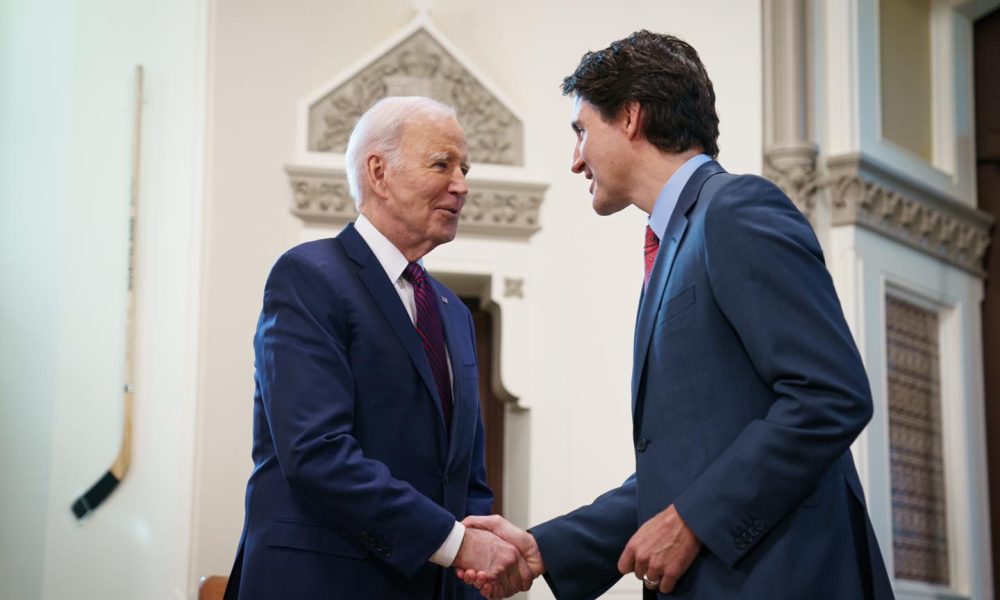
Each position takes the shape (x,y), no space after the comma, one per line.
(420,65)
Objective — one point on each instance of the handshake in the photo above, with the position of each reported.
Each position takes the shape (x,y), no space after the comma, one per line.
(497,557)
(501,560)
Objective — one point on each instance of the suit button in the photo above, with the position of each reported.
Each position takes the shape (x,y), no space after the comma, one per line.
(740,544)
(641,445)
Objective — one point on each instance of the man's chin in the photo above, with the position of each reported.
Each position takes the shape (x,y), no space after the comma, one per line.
(605,209)
(445,235)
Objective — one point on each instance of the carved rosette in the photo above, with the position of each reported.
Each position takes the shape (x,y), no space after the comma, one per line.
(959,239)
(419,65)
(501,209)
(513,287)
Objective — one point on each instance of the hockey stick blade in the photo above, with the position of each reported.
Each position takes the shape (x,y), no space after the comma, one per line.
(97,494)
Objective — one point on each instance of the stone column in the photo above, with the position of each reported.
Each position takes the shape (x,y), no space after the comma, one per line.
(789,152)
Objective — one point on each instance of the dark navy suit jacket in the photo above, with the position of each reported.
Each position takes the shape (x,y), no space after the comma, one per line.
(356,482)
(747,391)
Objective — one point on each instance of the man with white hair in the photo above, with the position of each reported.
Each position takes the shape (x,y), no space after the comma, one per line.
(368,441)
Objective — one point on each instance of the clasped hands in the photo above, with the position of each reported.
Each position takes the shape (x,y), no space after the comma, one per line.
(511,555)
(659,553)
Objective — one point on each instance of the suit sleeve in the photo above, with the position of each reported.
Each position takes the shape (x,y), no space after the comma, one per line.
(307,393)
(767,274)
(581,549)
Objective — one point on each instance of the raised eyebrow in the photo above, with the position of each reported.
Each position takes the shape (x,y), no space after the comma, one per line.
(436,156)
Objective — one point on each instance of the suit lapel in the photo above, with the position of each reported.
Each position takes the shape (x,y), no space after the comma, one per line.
(649,305)
(650,302)
(386,298)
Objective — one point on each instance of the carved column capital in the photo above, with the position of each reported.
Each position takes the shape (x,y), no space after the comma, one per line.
(793,168)
(789,154)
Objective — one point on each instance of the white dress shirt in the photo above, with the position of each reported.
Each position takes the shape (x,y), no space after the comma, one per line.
(394,263)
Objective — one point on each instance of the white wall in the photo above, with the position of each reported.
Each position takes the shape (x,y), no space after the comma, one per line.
(31,146)
(66,95)
(268,57)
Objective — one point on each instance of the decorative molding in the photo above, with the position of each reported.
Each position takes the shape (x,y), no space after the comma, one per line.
(419,65)
(861,193)
(503,208)
(792,167)
(320,195)
(513,287)
(493,208)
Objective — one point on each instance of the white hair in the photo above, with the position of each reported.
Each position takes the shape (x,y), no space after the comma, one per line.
(380,130)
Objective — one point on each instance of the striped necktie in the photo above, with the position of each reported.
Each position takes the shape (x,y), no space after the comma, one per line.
(649,251)
(431,333)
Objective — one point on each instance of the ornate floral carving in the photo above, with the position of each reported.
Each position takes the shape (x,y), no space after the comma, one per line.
(947,235)
(318,195)
(420,66)
(504,208)
(793,169)
(501,209)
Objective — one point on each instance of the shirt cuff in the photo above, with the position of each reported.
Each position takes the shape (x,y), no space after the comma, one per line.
(446,554)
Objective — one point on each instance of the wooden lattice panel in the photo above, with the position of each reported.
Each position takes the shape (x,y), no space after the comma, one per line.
(919,518)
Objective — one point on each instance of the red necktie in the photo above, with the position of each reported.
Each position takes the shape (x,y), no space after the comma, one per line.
(431,333)
(649,253)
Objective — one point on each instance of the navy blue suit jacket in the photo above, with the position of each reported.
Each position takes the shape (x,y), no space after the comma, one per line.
(356,482)
(747,391)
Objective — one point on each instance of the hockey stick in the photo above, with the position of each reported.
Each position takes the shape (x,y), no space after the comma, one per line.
(99,492)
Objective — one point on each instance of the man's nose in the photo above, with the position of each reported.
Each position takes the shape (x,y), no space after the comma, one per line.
(458,184)
(578,163)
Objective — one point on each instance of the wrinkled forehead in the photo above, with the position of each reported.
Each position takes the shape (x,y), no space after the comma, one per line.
(435,134)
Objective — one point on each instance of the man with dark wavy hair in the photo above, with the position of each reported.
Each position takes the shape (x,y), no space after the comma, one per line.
(747,387)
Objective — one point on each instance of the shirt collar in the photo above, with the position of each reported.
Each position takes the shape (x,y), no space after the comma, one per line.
(392,260)
(671,193)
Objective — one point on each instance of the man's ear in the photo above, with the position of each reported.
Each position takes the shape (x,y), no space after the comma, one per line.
(375,172)
(632,115)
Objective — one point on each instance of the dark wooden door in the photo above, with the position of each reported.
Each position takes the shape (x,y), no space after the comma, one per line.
(987,83)
(492,408)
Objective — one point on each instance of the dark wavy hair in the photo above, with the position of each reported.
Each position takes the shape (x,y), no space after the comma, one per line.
(665,76)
